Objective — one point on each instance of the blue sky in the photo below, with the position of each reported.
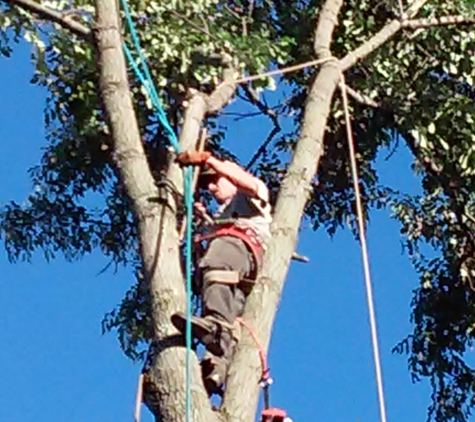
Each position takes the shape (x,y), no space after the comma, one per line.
(55,365)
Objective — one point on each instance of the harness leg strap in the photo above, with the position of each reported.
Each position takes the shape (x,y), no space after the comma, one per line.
(221,276)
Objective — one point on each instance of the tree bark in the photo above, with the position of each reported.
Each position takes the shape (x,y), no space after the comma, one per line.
(158,237)
(242,384)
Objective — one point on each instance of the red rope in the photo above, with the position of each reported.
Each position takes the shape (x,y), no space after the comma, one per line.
(265,375)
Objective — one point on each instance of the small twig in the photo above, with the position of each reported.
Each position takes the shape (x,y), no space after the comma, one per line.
(240,116)
(204,22)
(246,20)
(265,109)
(469,216)
(402,13)
(300,258)
(232,12)
(253,98)
(251,10)
(192,24)
(244,26)
(263,147)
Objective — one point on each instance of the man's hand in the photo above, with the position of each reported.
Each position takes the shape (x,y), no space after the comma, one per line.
(199,208)
(193,157)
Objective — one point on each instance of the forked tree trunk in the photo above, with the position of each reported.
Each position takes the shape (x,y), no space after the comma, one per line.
(156,221)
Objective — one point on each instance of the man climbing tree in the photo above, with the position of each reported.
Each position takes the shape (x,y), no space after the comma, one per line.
(231,262)
(408,66)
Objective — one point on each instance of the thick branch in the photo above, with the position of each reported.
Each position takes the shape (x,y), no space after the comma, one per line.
(327,20)
(52,15)
(224,92)
(380,38)
(165,385)
(199,106)
(440,21)
(242,383)
(117,99)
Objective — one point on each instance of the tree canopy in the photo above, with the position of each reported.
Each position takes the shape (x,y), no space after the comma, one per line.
(411,79)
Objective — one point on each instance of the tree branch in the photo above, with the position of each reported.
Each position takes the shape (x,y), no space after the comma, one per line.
(52,15)
(327,20)
(199,106)
(361,98)
(438,21)
(263,147)
(242,382)
(156,222)
(129,154)
(192,24)
(379,38)
(253,98)
(224,92)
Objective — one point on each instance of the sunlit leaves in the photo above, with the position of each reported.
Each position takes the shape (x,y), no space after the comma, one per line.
(423,79)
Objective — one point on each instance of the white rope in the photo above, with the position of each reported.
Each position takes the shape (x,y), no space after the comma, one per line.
(364,253)
(138,398)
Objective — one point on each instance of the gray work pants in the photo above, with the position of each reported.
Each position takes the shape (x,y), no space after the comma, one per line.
(220,300)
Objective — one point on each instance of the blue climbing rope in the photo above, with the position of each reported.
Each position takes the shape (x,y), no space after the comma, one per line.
(142,72)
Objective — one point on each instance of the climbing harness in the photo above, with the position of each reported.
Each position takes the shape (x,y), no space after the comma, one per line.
(249,237)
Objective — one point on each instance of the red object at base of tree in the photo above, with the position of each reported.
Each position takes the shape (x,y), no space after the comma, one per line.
(273,414)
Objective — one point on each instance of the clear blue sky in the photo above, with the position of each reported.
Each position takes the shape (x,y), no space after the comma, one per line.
(55,365)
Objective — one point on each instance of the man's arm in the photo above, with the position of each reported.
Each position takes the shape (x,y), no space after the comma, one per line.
(241,178)
(244,180)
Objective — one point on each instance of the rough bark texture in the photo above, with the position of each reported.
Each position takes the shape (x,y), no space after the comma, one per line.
(242,384)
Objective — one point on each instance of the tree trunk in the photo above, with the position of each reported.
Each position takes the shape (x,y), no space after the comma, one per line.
(243,381)
(158,237)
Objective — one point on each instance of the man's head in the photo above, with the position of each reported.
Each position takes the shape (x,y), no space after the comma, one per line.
(219,186)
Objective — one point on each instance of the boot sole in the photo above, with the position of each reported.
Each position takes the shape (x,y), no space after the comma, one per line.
(201,333)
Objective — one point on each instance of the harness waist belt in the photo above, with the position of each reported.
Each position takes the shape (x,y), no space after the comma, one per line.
(246,233)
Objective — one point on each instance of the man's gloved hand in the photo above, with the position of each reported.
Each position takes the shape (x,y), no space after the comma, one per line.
(193,157)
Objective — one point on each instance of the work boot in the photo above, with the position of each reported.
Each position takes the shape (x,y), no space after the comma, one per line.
(213,375)
(209,330)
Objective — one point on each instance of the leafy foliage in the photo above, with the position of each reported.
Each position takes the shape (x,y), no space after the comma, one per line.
(422,79)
